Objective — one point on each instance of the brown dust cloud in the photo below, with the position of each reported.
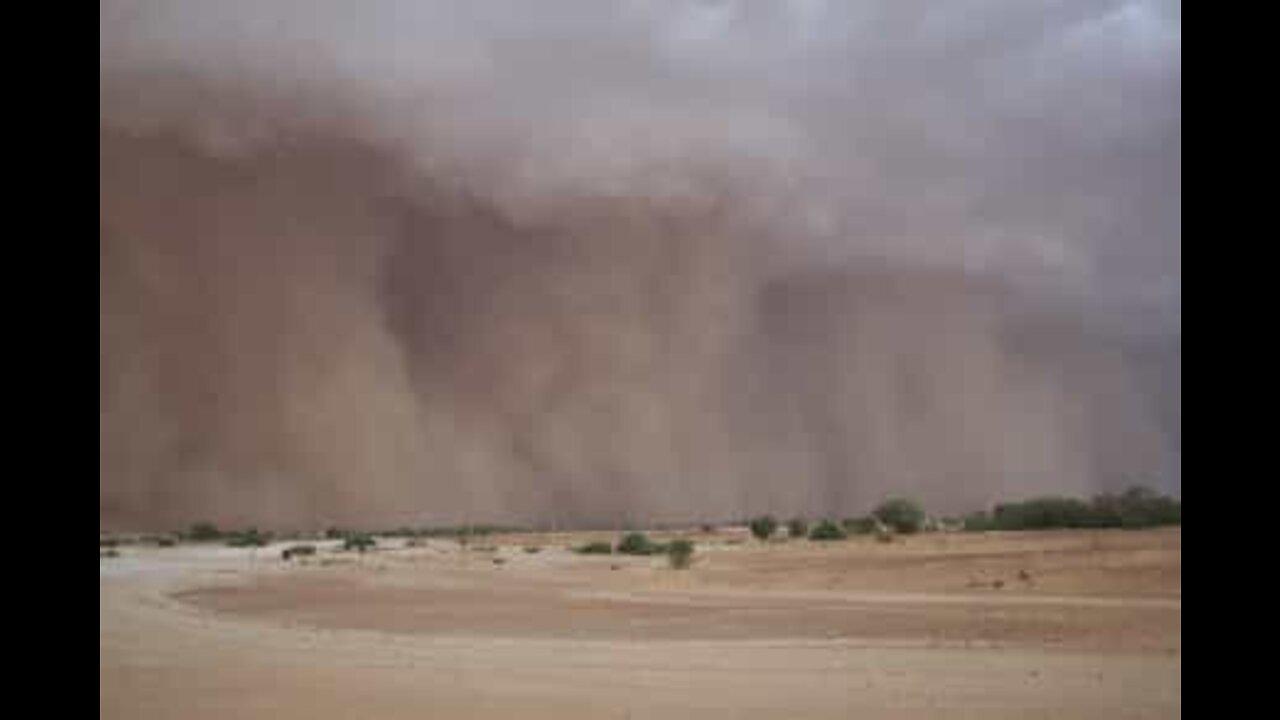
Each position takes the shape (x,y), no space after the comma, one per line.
(602,263)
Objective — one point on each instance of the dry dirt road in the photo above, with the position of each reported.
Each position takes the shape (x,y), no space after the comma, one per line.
(1033,625)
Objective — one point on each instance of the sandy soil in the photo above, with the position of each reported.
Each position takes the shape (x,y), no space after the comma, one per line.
(1045,625)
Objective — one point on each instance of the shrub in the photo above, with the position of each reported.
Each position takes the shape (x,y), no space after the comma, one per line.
(359,542)
(827,530)
(861,525)
(764,527)
(904,516)
(334,533)
(107,542)
(108,553)
(1047,512)
(531,549)
(978,522)
(680,553)
(298,551)
(594,548)
(249,538)
(204,532)
(639,544)
(1137,507)
(797,528)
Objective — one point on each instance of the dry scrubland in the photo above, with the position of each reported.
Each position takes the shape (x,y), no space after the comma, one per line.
(1047,624)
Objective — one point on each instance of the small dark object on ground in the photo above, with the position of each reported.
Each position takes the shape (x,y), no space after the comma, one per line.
(297,551)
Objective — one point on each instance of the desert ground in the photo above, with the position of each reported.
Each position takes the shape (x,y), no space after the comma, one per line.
(1062,624)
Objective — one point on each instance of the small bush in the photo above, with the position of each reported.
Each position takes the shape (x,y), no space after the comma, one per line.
(165,542)
(797,528)
(107,542)
(531,549)
(764,527)
(680,553)
(827,530)
(108,553)
(204,532)
(359,543)
(594,548)
(904,516)
(637,543)
(334,533)
(249,538)
(297,551)
(861,525)
(978,522)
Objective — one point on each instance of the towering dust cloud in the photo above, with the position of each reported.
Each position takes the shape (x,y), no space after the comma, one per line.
(605,262)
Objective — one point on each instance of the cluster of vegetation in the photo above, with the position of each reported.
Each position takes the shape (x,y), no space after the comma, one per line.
(359,542)
(864,525)
(679,552)
(598,547)
(457,531)
(110,552)
(1136,507)
(637,543)
(797,528)
(248,538)
(204,532)
(763,527)
(901,515)
(828,530)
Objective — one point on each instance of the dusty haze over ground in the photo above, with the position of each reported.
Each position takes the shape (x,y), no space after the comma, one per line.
(599,262)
